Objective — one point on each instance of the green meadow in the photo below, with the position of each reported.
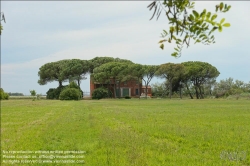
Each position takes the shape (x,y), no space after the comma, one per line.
(120,132)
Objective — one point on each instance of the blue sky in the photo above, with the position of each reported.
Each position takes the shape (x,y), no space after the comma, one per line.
(36,33)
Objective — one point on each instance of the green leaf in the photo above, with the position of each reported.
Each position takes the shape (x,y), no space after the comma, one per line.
(222,20)
(179,40)
(196,14)
(171,29)
(165,32)
(220,28)
(203,14)
(206,28)
(214,28)
(214,17)
(221,5)
(205,37)
(161,41)
(174,54)
(176,49)
(226,25)
(191,17)
(197,41)
(199,22)
(208,15)
(202,35)
(198,32)
(162,46)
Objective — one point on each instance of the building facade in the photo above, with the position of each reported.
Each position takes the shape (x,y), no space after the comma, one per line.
(130,88)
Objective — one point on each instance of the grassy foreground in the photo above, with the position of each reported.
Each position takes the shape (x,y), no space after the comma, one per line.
(131,132)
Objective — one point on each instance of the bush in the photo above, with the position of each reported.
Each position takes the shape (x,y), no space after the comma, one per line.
(127,97)
(70,94)
(100,93)
(245,94)
(54,93)
(3,95)
(38,96)
(32,92)
(50,93)
(238,96)
(218,95)
(74,85)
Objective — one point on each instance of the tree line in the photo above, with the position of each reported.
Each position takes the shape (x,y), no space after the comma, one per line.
(229,86)
(104,70)
(211,89)
(69,70)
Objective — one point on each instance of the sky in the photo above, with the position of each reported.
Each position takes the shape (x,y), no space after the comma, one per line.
(36,33)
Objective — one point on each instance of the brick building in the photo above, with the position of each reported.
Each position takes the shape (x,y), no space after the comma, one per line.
(126,88)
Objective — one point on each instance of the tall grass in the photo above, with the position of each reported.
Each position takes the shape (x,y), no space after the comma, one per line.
(132,132)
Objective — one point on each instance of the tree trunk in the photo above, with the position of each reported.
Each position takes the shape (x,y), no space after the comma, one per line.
(201,95)
(78,81)
(60,83)
(189,92)
(145,84)
(170,89)
(109,87)
(210,91)
(119,90)
(180,92)
(139,88)
(196,92)
(114,88)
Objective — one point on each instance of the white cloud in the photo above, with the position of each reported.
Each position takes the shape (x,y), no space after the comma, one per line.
(116,29)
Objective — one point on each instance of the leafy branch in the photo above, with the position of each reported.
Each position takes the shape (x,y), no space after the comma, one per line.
(185,27)
(2,19)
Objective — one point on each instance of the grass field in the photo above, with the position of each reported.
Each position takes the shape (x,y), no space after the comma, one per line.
(130,132)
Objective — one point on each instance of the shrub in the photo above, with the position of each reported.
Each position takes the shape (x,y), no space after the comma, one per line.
(3,95)
(218,95)
(50,93)
(54,93)
(74,85)
(38,96)
(245,94)
(70,94)
(32,92)
(100,93)
(127,97)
